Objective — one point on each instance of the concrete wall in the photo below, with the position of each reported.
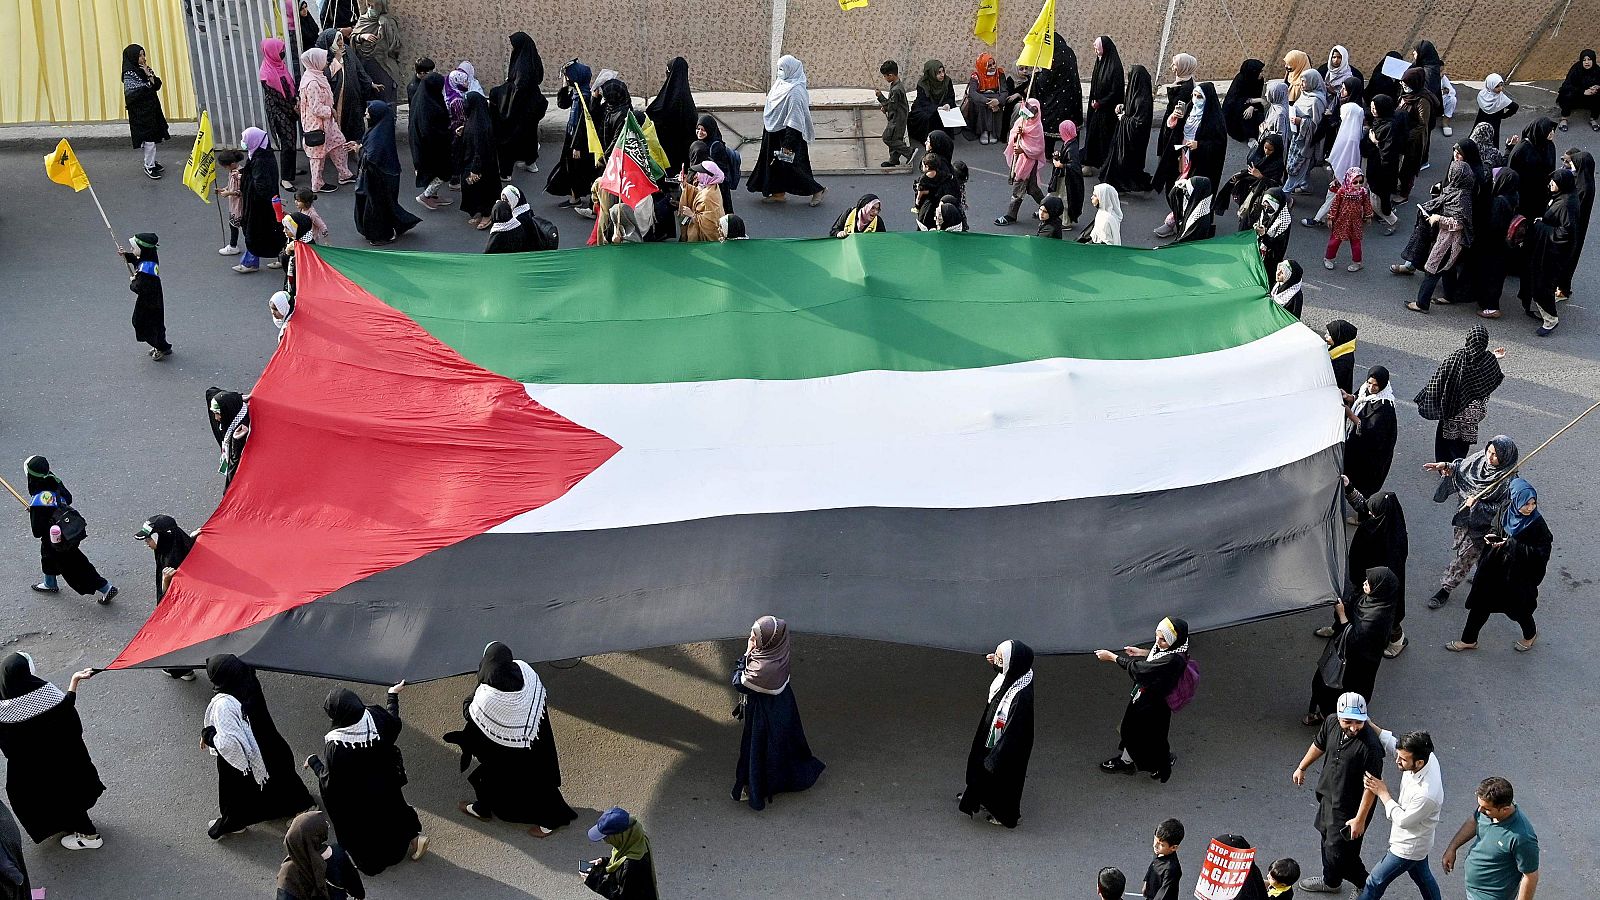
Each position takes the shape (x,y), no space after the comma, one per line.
(728,43)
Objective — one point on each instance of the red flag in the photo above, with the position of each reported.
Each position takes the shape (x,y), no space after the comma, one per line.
(625,178)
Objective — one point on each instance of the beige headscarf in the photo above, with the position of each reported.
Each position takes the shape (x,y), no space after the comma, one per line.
(1297,62)
(766,668)
(1183,67)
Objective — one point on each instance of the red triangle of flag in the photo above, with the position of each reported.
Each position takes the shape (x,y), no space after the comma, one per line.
(625,178)
(372,443)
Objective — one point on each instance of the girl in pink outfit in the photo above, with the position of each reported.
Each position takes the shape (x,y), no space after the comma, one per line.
(1347,217)
(1025,156)
(317,114)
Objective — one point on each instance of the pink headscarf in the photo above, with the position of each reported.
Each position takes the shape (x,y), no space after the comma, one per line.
(1025,147)
(1069,131)
(712,174)
(1349,186)
(274,71)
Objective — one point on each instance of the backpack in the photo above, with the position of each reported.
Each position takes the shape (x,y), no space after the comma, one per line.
(549,236)
(736,169)
(1183,691)
(71,522)
(1517,231)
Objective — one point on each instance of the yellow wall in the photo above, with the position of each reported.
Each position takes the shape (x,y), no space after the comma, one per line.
(64,58)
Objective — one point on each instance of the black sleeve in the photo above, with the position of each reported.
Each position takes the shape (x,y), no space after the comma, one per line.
(393,704)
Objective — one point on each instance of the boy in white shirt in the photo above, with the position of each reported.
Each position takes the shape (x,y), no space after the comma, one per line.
(1413,815)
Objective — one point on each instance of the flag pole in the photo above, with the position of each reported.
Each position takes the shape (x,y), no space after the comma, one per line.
(1526,459)
(13,491)
(114,242)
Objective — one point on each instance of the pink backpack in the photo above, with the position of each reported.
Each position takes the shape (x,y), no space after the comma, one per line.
(1183,692)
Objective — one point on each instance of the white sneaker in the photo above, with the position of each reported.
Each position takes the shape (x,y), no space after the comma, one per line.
(1447,131)
(1328,264)
(1353,267)
(82,841)
(228,250)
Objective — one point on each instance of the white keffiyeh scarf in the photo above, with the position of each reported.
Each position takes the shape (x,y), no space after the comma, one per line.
(510,718)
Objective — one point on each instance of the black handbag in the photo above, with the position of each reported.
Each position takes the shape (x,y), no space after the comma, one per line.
(316,137)
(1332,664)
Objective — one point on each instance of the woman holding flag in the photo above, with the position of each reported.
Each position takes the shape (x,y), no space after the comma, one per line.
(575,170)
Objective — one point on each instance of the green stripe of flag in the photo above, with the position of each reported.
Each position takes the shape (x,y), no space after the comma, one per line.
(792,309)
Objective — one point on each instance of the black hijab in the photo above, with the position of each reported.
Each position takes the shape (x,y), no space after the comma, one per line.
(839,223)
(1577,81)
(1196,222)
(1272,166)
(498,668)
(172,545)
(1064,102)
(378,147)
(477,140)
(1051,228)
(617,105)
(1534,158)
(674,114)
(130,60)
(950,214)
(735,228)
(1107,83)
(1381,538)
(1341,331)
(1139,99)
(1380,83)
(343,707)
(17,678)
(40,478)
(713,130)
(941,143)
(227,404)
(1018,663)
(524,72)
(1246,86)
(1356,89)
(1583,169)
(429,130)
(233,676)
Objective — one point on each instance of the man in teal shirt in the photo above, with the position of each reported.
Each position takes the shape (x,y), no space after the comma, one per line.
(1504,863)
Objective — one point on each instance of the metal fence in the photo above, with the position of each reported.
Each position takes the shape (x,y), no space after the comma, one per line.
(225,53)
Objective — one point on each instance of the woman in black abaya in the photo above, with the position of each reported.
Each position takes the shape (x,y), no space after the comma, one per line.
(1533,159)
(480,186)
(379,216)
(256,776)
(50,780)
(352,86)
(1340,336)
(1148,718)
(1063,102)
(258,185)
(1245,87)
(518,778)
(518,107)
(229,416)
(774,756)
(675,117)
(1381,541)
(1190,200)
(708,131)
(1369,444)
(1106,93)
(997,762)
(1124,165)
(14,884)
(1351,659)
(361,781)
(171,545)
(1550,247)
(1197,143)
(1581,90)
(575,171)
(934,92)
(1581,163)
(431,141)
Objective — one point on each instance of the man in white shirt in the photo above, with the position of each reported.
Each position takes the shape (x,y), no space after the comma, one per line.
(1413,815)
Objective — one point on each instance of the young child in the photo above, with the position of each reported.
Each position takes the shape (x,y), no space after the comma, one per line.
(1161,879)
(305,200)
(1050,213)
(1281,878)
(232,162)
(897,110)
(149,313)
(1352,207)
(1111,883)
(1025,159)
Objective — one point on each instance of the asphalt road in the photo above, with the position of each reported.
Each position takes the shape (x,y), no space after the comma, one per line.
(651,730)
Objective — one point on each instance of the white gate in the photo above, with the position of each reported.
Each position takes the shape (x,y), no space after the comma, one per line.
(225,50)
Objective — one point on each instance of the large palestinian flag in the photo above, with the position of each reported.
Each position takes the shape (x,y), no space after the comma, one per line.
(938,439)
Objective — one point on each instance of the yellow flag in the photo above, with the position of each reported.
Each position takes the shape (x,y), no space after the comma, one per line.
(852,4)
(595,147)
(63,167)
(200,172)
(651,140)
(988,21)
(1039,47)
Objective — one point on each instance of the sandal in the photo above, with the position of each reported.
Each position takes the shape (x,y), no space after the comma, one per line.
(541,832)
(1312,720)
(1326,631)
(1415,308)
(1458,646)
(1562,127)
(1526,645)
(1115,764)
(471,810)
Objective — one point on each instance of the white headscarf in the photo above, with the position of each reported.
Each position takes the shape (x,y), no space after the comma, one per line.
(1107,228)
(514,198)
(1002,713)
(1337,74)
(1346,152)
(1197,113)
(280,302)
(1491,101)
(233,740)
(788,101)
